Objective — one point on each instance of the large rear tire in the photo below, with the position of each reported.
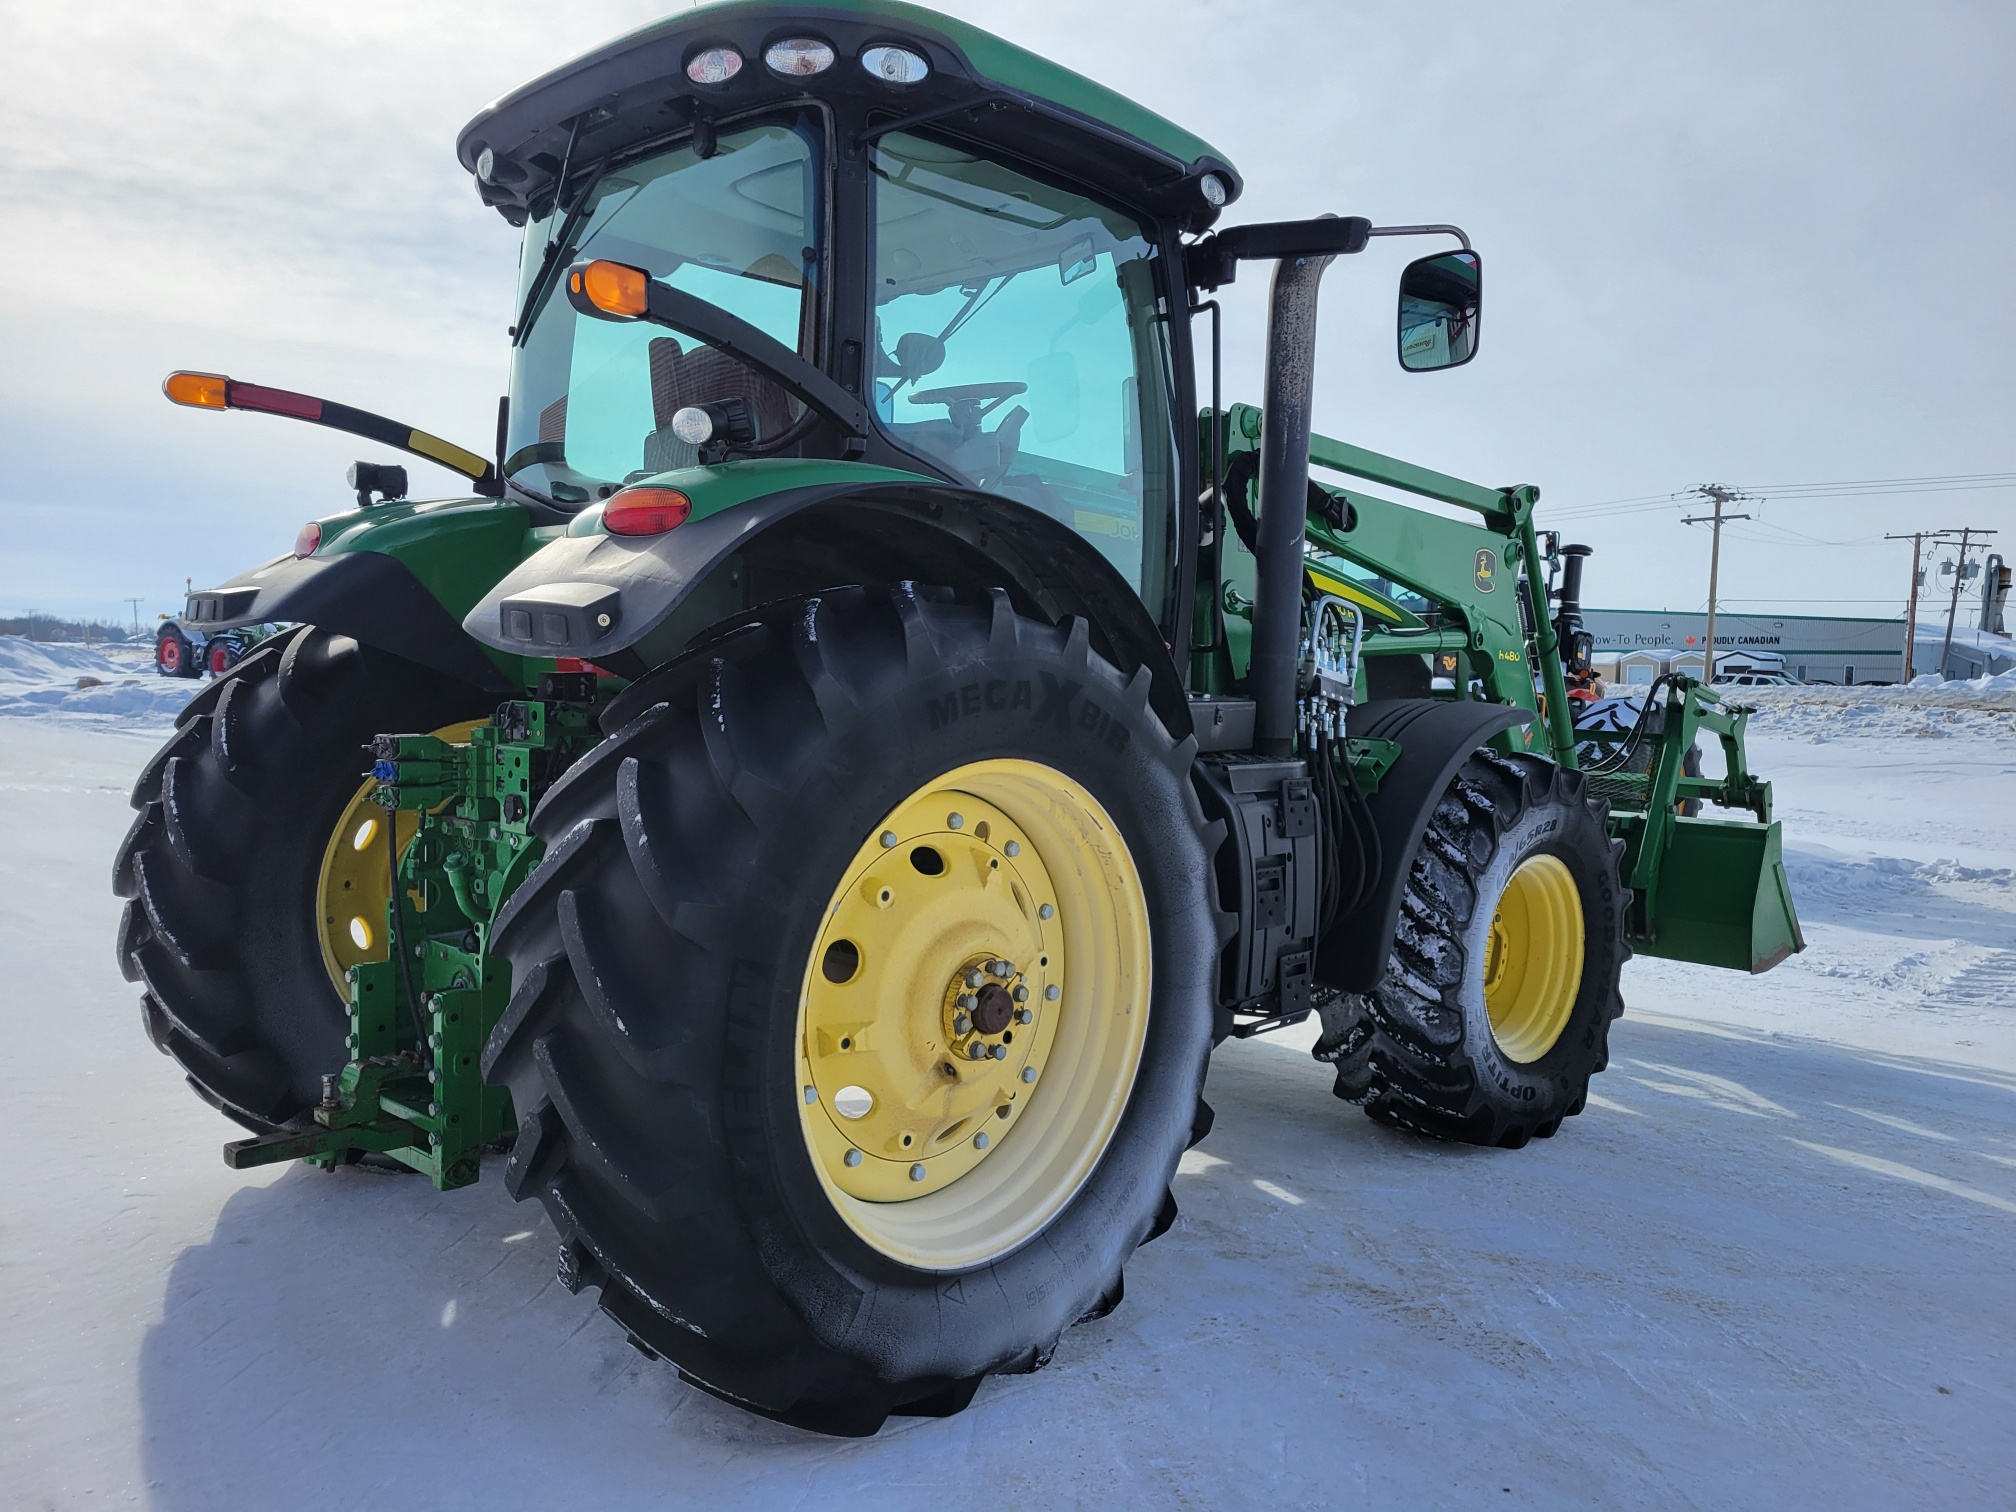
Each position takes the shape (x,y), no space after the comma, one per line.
(225,927)
(1496,1008)
(767,1045)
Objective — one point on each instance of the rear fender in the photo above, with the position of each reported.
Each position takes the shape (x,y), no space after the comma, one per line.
(1435,737)
(618,600)
(396,576)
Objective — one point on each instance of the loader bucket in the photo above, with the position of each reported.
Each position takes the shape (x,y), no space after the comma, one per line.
(1722,898)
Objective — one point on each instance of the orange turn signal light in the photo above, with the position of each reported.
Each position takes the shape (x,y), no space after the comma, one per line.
(613,288)
(197,390)
(645,510)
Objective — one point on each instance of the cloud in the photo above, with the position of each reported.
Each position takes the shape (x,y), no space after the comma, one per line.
(1722,241)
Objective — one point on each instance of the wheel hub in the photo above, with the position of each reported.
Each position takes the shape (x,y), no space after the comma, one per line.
(1533,959)
(973,1013)
(917,1052)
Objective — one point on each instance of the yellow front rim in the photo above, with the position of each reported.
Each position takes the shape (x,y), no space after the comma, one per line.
(355,882)
(1533,962)
(972,1013)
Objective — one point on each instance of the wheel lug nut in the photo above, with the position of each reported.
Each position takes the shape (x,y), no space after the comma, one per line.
(978,1052)
(1012,849)
(1024,1016)
(953,821)
(967,1000)
(974,978)
(1046,912)
(999,1052)
(961,1023)
(1028,1074)
(980,1141)
(811,1094)
(916,1173)
(1052,993)
(888,843)
(1021,993)
(853,1157)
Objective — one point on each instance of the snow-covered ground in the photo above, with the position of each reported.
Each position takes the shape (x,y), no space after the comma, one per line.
(104,687)
(1770,1267)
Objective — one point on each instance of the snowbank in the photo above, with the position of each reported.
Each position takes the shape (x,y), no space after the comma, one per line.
(1926,708)
(40,679)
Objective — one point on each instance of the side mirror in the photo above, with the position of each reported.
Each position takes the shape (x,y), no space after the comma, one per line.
(1440,301)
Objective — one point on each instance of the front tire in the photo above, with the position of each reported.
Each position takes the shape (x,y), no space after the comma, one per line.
(1495,1010)
(725,945)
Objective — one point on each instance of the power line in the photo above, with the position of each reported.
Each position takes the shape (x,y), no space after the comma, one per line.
(1791,492)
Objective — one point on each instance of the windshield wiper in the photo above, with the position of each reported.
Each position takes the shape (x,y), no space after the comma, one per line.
(542,281)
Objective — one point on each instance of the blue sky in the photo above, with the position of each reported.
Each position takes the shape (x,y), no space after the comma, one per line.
(1749,243)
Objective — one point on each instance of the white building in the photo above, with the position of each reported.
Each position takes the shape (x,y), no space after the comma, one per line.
(1814,647)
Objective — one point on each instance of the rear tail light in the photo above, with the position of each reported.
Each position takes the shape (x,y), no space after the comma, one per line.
(310,538)
(645,510)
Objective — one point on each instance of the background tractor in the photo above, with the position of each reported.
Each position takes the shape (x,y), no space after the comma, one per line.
(820,797)
(186,651)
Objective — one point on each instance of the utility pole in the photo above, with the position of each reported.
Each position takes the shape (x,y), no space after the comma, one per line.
(1722,497)
(1917,538)
(136,616)
(1953,609)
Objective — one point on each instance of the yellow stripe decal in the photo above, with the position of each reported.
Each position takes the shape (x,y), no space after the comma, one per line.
(1352,594)
(446,451)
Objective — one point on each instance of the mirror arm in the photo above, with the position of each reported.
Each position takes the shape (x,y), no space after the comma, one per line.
(1214,261)
(1455,231)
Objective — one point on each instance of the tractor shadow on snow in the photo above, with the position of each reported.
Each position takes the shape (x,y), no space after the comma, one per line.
(1690,1281)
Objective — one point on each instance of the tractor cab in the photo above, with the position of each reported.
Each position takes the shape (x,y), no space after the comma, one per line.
(862,187)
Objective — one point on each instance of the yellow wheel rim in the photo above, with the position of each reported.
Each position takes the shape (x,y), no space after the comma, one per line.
(972,1014)
(355,883)
(1533,963)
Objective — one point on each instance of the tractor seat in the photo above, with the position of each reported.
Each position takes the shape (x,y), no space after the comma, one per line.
(703,376)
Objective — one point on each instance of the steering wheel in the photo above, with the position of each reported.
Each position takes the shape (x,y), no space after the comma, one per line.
(960,393)
(970,403)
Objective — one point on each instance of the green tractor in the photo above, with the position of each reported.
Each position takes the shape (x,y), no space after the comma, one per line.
(815,800)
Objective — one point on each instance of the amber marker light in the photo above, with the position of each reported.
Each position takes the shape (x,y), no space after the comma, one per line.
(645,510)
(197,390)
(613,288)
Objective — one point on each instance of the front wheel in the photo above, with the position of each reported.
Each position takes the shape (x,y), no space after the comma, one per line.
(863,1002)
(1496,1008)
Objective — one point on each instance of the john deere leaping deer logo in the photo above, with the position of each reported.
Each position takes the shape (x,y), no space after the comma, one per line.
(1487,570)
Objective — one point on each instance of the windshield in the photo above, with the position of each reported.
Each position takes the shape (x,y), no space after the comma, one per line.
(592,400)
(1022,346)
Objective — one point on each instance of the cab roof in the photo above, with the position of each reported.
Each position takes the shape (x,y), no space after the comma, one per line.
(635,89)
